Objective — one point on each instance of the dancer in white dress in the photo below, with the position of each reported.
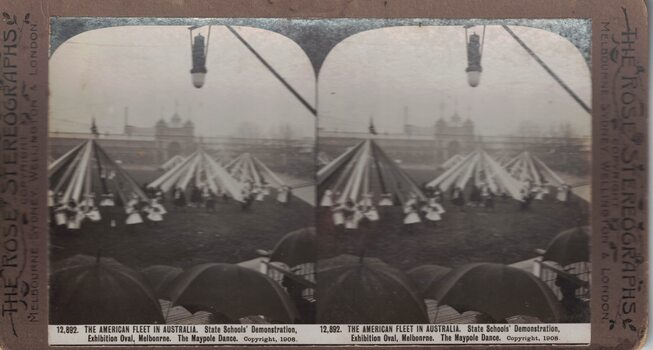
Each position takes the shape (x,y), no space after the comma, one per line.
(154,203)
(538,192)
(94,214)
(352,215)
(412,215)
(386,200)
(60,215)
(371,213)
(434,210)
(154,214)
(265,189)
(327,199)
(107,200)
(133,216)
(258,191)
(282,194)
(367,200)
(562,193)
(75,220)
(338,215)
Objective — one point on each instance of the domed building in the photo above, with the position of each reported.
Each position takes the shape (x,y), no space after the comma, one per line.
(173,137)
(454,136)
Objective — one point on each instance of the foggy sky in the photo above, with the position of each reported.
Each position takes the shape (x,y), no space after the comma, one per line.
(392,74)
(100,72)
(384,72)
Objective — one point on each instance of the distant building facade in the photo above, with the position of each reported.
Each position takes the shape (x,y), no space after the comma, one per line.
(152,146)
(429,146)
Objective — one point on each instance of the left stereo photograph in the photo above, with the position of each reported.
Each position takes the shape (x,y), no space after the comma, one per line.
(181,175)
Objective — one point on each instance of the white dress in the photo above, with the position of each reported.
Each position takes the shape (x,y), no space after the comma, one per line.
(372,214)
(75,223)
(327,201)
(94,215)
(433,203)
(132,202)
(154,215)
(162,210)
(385,202)
(50,198)
(432,214)
(60,217)
(351,222)
(338,217)
(282,196)
(411,216)
(107,202)
(133,217)
(366,201)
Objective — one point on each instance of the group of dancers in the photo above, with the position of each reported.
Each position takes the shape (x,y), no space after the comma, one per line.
(203,196)
(252,192)
(531,191)
(72,214)
(480,197)
(349,215)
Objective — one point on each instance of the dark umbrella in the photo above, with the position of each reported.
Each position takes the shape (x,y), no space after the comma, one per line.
(366,290)
(233,291)
(569,246)
(160,277)
(93,290)
(498,291)
(297,247)
(427,276)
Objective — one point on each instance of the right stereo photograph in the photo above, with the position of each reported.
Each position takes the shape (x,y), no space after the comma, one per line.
(453,181)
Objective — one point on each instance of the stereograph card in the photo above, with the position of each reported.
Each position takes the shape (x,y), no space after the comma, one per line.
(187,173)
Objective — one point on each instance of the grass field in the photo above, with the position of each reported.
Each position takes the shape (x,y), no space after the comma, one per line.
(193,236)
(505,235)
(187,237)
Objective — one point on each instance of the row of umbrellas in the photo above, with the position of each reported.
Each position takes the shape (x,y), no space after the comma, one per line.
(122,295)
(350,289)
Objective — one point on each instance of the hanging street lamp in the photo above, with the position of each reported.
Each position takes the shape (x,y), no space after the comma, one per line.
(199,51)
(474,54)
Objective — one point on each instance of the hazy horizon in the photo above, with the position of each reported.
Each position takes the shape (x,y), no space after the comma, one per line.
(394,75)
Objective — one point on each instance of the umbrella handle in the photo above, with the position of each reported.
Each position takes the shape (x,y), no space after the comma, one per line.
(437,311)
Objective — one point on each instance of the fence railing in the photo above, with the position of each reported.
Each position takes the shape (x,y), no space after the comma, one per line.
(579,272)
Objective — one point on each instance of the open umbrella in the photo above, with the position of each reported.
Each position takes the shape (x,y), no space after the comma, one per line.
(93,290)
(366,290)
(233,291)
(297,247)
(498,291)
(160,277)
(427,276)
(569,246)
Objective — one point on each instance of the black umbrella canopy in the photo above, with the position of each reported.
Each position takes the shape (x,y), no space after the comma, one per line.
(160,277)
(427,276)
(233,291)
(569,246)
(297,247)
(90,290)
(497,290)
(366,290)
